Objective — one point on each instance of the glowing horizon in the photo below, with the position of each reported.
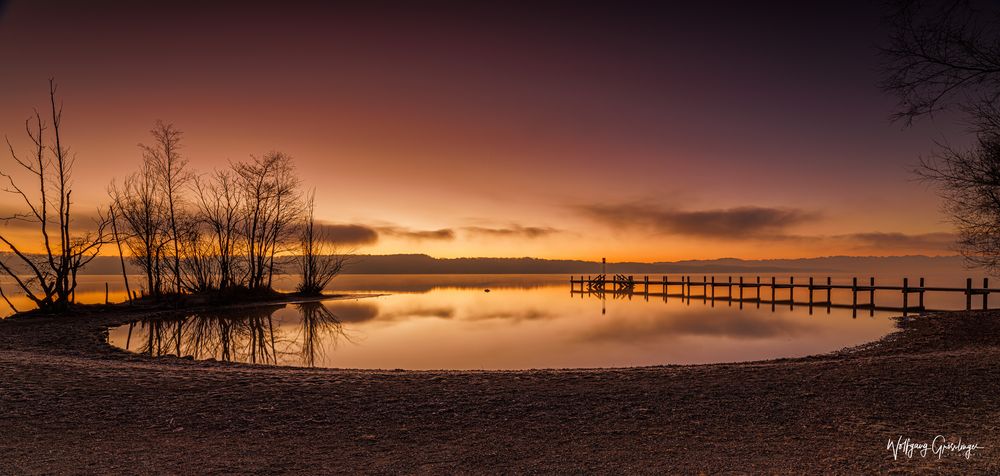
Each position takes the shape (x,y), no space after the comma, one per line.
(535,132)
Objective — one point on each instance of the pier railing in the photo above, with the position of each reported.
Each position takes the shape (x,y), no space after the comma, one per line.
(628,285)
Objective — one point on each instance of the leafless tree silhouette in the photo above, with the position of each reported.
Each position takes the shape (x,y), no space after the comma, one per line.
(943,54)
(271,208)
(318,259)
(170,169)
(48,277)
(969,183)
(143,222)
(219,206)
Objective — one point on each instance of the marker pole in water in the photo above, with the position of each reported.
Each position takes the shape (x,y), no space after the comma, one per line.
(968,294)
(906,295)
(986,293)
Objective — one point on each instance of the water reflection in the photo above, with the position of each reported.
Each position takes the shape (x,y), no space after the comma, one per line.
(251,335)
(508,328)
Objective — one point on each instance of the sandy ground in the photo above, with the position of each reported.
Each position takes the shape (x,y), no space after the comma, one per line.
(69,403)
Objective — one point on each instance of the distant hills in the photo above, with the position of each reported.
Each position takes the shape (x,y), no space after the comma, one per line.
(423,264)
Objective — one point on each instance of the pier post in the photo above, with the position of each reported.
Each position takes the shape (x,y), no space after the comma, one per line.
(921,295)
(986,293)
(741,289)
(854,292)
(906,294)
(772,290)
(829,287)
(105,293)
(791,292)
(645,284)
(758,292)
(871,296)
(713,288)
(968,294)
(810,292)
(665,287)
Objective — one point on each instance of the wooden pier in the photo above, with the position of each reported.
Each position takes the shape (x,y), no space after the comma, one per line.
(705,289)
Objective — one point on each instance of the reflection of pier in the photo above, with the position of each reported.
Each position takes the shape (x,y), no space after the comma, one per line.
(686,289)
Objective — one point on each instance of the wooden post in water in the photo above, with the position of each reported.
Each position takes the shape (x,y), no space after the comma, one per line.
(829,302)
(986,293)
(772,290)
(713,287)
(105,292)
(968,294)
(758,292)
(645,284)
(871,296)
(906,294)
(810,292)
(921,295)
(665,287)
(854,292)
(791,292)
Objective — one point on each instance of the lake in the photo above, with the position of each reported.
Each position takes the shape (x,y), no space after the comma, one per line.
(523,322)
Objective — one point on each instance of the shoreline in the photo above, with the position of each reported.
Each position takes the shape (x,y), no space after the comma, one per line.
(63,384)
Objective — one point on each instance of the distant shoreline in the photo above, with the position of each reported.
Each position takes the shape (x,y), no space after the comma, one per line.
(423,264)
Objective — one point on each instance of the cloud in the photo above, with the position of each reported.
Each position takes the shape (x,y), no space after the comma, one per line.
(522,315)
(441,312)
(400,232)
(348,234)
(739,222)
(81,220)
(894,240)
(353,311)
(517,231)
(697,323)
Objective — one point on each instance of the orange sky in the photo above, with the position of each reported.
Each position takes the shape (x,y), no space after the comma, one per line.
(551,131)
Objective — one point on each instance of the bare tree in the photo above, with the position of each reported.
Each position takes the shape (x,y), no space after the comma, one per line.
(48,277)
(269,194)
(943,54)
(198,266)
(219,206)
(318,259)
(969,182)
(171,171)
(143,222)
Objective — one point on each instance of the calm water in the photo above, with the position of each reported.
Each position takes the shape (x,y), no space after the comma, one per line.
(449,322)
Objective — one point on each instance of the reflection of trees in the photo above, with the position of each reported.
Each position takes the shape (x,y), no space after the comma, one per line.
(318,325)
(248,335)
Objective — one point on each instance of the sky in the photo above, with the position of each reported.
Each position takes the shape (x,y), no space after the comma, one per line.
(573,130)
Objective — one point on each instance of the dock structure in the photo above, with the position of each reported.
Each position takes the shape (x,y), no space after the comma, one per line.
(687,288)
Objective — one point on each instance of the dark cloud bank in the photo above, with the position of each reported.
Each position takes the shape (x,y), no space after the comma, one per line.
(729,223)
